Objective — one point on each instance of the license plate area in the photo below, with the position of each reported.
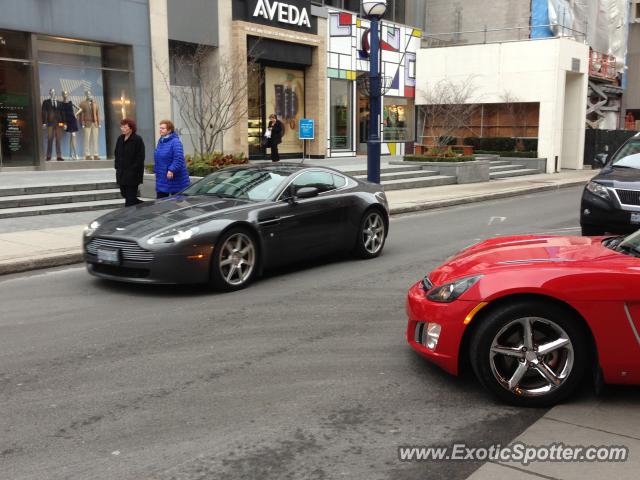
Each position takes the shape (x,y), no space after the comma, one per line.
(635,218)
(110,256)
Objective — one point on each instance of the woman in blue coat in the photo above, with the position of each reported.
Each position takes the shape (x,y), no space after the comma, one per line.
(169,164)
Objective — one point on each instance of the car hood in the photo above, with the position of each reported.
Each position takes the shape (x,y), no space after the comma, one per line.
(181,211)
(520,252)
(619,177)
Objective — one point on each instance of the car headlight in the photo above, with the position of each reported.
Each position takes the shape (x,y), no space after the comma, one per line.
(91,228)
(599,190)
(450,291)
(173,236)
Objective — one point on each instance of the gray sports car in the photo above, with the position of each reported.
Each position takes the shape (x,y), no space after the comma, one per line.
(228,227)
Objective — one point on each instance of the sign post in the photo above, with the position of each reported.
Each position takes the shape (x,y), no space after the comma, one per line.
(306,131)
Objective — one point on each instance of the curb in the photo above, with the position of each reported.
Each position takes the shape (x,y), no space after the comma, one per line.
(431,205)
(69,257)
(41,262)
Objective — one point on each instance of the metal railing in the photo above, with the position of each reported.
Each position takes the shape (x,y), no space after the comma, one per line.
(498,35)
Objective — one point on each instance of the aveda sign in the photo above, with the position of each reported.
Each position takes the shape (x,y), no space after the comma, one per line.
(282,12)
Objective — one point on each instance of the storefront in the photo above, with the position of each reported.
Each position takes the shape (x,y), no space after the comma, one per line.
(277,85)
(65,86)
(347,72)
(285,51)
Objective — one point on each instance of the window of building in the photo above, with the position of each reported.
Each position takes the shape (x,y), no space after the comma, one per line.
(92,85)
(398,119)
(17,139)
(341,112)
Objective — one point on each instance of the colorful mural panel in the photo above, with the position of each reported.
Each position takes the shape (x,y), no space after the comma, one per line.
(348,58)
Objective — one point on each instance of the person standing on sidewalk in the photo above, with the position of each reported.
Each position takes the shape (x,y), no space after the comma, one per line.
(170,167)
(129,162)
(276,130)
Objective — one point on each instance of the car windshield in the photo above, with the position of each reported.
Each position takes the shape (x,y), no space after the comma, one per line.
(628,156)
(241,183)
(629,245)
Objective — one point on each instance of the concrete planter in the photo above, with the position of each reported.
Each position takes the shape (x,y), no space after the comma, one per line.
(465,172)
(148,187)
(539,164)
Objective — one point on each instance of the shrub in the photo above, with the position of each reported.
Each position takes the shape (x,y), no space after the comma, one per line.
(447,140)
(500,144)
(530,144)
(201,165)
(430,158)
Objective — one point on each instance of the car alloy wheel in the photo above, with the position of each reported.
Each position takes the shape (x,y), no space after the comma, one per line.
(372,235)
(531,356)
(530,353)
(235,259)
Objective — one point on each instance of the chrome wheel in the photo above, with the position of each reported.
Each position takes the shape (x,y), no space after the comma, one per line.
(531,356)
(237,259)
(373,233)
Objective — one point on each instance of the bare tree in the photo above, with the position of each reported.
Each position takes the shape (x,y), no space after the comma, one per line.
(517,110)
(449,108)
(211,97)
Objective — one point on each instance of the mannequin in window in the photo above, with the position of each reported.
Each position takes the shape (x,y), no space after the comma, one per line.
(70,113)
(53,120)
(90,122)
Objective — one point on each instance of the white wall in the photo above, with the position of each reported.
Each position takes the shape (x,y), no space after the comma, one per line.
(531,71)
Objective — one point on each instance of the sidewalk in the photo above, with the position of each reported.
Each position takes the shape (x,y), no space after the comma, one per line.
(37,245)
(607,421)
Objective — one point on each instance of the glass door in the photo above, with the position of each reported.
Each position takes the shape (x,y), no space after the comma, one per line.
(16,115)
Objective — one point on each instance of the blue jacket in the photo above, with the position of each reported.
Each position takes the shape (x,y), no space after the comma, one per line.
(169,155)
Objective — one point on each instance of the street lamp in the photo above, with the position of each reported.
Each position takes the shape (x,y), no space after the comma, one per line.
(374,10)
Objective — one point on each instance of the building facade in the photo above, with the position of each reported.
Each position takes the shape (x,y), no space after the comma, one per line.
(97,53)
(299,59)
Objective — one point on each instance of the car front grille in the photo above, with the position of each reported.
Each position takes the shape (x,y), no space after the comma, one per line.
(130,251)
(124,272)
(629,197)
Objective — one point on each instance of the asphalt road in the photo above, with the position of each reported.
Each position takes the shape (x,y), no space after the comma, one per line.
(305,375)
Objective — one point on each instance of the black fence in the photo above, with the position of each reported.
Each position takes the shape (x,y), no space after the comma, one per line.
(603,141)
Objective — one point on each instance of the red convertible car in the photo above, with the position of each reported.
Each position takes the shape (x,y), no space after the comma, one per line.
(533,316)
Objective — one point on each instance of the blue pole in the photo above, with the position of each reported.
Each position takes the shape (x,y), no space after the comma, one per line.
(373,147)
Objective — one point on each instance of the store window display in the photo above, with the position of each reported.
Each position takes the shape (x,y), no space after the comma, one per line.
(284,90)
(53,121)
(99,86)
(398,119)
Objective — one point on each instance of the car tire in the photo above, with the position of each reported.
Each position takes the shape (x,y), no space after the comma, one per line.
(234,261)
(508,361)
(590,231)
(372,234)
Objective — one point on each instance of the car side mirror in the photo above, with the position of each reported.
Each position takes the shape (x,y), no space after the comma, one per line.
(600,159)
(307,192)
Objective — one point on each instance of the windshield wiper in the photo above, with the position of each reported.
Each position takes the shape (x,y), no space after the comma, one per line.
(621,166)
(613,242)
(219,195)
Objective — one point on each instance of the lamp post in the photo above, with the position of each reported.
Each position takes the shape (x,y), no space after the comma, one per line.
(374,10)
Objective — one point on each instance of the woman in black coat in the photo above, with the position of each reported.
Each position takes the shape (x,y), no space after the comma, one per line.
(276,128)
(129,155)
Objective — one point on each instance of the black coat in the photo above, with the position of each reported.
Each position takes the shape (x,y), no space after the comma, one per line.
(277,131)
(129,160)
